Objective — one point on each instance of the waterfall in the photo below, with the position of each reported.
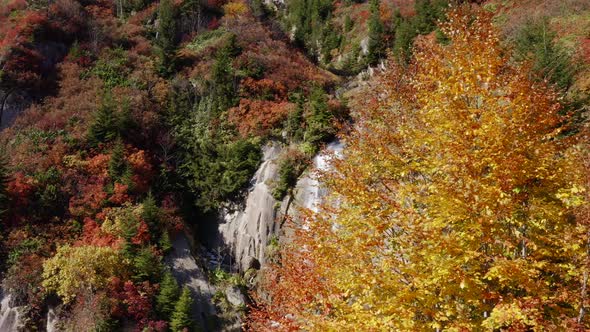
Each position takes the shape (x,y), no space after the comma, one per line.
(309,192)
(52,320)
(9,315)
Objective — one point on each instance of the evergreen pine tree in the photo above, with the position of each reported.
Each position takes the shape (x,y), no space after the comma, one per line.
(165,243)
(319,122)
(147,266)
(376,30)
(151,212)
(295,119)
(167,296)
(118,165)
(222,89)
(105,126)
(166,38)
(181,317)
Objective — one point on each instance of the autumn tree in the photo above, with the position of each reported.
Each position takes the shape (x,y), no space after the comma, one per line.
(75,269)
(456,205)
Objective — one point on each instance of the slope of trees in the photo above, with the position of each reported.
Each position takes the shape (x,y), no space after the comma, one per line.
(458,205)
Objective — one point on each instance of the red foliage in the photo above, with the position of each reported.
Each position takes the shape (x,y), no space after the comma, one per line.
(213,24)
(89,197)
(134,301)
(142,169)
(20,190)
(156,326)
(257,117)
(120,195)
(93,235)
(265,88)
(143,234)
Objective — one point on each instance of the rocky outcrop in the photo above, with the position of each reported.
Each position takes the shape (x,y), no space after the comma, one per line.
(246,232)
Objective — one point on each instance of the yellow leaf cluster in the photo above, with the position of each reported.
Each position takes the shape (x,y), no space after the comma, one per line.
(454,207)
(74,269)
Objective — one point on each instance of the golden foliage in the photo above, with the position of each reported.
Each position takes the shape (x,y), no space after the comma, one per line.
(76,269)
(456,206)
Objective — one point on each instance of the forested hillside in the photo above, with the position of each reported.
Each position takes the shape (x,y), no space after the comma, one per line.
(291,165)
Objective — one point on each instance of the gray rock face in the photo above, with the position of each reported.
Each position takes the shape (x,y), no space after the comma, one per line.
(9,314)
(12,107)
(235,296)
(246,232)
(188,273)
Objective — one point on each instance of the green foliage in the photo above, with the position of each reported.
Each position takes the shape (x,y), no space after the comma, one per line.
(428,13)
(552,62)
(112,68)
(167,296)
(319,122)
(376,30)
(48,197)
(222,87)
(119,170)
(290,167)
(348,23)
(165,243)
(208,38)
(151,213)
(221,169)
(27,246)
(295,121)
(309,18)
(181,317)
(166,39)
(331,40)
(146,265)
(109,122)
(222,277)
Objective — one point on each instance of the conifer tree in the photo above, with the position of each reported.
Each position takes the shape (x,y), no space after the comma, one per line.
(165,243)
(104,127)
(168,296)
(118,167)
(147,266)
(376,30)
(181,317)
(166,38)
(319,122)
(222,89)
(151,213)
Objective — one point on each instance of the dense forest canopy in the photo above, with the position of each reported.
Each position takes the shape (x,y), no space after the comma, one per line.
(130,129)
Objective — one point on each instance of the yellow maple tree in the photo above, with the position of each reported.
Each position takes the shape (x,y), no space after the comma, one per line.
(456,206)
